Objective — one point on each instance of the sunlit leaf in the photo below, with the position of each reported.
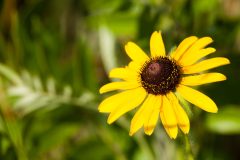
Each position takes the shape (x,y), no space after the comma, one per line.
(226,121)
(107,47)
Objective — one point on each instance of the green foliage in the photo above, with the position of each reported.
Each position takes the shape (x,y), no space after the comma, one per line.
(54,56)
(226,122)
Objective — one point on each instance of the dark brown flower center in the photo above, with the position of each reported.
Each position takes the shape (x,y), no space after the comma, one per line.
(160,76)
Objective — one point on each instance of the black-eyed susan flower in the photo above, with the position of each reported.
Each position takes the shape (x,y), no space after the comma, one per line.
(152,83)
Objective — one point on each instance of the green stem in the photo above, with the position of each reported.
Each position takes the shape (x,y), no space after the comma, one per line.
(12,125)
(15,134)
(188,148)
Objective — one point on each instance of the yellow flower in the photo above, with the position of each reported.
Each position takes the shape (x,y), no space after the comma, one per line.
(151,83)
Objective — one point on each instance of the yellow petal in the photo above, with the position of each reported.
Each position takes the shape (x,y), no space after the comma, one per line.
(136,53)
(152,114)
(202,79)
(110,103)
(168,118)
(119,86)
(134,66)
(198,45)
(123,73)
(156,45)
(197,55)
(130,103)
(205,65)
(182,117)
(197,98)
(140,116)
(183,46)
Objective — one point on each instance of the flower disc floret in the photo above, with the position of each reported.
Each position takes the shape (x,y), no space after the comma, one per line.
(160,75)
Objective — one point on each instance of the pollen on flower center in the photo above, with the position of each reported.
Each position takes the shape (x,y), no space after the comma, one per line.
(160,75)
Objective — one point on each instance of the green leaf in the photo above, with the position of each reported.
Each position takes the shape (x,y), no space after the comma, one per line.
(226,121)
(10,74)
(103,6)
(107,47)
(57,136)
(2,129)
(5,144)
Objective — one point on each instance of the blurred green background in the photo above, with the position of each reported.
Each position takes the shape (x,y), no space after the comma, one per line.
(54,56)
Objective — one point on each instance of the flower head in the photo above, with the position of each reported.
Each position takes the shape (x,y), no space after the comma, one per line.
(152,83)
